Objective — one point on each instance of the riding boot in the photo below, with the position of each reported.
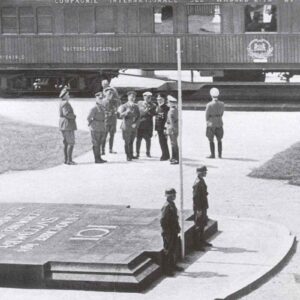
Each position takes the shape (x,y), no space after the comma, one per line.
(127,153)
(111,143)
(148,147)
(138,147)
(95,154)
(212,150)
(103,143)
(70,153)
(220,149)
(66,153)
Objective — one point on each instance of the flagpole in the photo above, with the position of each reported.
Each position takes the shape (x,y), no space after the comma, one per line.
(180,146)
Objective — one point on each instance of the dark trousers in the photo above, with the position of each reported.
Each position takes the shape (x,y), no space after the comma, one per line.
(111,140)
(129,137)
(163,142)
(138,144)
(174,146)
(170,241)
(200,219)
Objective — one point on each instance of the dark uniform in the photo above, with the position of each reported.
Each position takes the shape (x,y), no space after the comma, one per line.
(145,130)
(170,230)
(130,114)
(160,123)
(96,122)
(111,110)
(67,125)
(200,206)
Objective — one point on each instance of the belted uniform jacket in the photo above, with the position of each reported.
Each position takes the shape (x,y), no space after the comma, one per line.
(147,111)
(214,113)
(130,114)
(169,218)
(200,193)
(66,116)
(111,109)
(172,121)
(96,118)
(161,117)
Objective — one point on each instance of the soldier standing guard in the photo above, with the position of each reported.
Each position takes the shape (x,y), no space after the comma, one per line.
(130,114)
(160,122)
(96,122)
(67,125)
(200,206)
(170,230)
(111,103)
(172,128)
(214,113)
(145,130)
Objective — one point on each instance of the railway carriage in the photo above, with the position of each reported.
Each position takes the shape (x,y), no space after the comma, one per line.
(83,41)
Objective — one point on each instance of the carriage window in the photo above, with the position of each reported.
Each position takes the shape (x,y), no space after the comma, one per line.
(71,19)
(44,20)
(26,20)
(204,19)
(163,19)
(105,21)
(86,20)
(9,20)
(260,18)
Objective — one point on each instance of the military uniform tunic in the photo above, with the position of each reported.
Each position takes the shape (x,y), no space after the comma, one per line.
(130,114)
(214,113)
(172,130)
(200,206)
(170,229)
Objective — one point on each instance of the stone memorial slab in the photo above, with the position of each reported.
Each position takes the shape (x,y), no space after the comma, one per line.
(82,246)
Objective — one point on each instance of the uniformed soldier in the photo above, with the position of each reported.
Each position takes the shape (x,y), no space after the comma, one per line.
(200,206)
(214,113)
(172,128)
(160,123)
(111,103)
(130,114)
(145,130)
(67,124)
(170,230)
(96,122)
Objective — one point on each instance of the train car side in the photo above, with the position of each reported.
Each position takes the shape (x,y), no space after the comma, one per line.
(91,35)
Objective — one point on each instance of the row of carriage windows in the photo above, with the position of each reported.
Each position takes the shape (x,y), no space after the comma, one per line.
(201,19)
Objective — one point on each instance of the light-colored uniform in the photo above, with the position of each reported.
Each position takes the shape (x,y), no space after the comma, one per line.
(214,113)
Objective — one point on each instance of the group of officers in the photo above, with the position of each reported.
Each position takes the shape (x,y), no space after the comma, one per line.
(137,123)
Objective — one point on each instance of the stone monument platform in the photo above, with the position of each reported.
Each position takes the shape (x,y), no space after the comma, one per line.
(73,246)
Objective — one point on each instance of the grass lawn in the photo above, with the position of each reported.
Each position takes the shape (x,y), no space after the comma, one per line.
(283,165)
(25,146)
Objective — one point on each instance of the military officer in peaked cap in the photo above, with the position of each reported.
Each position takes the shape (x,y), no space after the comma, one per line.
(172,128)
(214,113)
(130,115)
(67,125)
(200,206)
(170,230)
(111,104)
(96,122)
(160,123)
(145,131)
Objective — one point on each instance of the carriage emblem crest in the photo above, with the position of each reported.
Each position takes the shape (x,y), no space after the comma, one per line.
(260,49)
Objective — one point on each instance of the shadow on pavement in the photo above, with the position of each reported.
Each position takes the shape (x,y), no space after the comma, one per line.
(239,159)
(232,250)
(202,274)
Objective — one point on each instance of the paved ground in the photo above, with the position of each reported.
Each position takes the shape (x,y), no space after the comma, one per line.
(250,139)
